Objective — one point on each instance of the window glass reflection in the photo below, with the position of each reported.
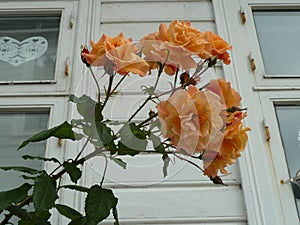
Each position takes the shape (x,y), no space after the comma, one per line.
(28,46)
(278,35)
(15,127)
(289,124)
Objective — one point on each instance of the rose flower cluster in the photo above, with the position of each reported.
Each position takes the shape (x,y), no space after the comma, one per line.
(206,122)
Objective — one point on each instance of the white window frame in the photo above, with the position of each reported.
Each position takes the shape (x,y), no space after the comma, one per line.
(57,115)
(260,178)
(269,99)
(265,81)
(65,48)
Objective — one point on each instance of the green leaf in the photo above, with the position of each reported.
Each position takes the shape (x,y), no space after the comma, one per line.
(120,162)
(133,140)
(44,194)
(85,106)
(158,146)
(13,196)
(27,222)
(79,221)
(124,150)
(217,180)
(19,212)
(212,61)
(148,90)
(166,161)
(98,204)
(104,133)
(114,122)
(25,177)
(76,188)
(115,214)
(74,172)
(40,158)
(22,169)
(36,220)
(112,148)
(63,131)
(68,212)
(43,215)
(137,132)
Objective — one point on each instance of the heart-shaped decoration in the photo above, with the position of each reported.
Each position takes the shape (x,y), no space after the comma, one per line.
(17,53)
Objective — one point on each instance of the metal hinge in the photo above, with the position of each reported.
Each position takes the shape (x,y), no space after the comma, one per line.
(295,182)
(252,62)
(59,142)
(67,69)
(71,23)
(243,15)
(267,130)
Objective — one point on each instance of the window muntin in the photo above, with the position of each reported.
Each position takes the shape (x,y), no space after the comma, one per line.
(278,33)
(289,126)
(28,46)
(15,127)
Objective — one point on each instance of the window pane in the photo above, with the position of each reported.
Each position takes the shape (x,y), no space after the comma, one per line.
(28,46)
(15,127)
(289,124)
(279,34)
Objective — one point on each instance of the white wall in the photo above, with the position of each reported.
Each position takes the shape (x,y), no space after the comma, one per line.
(185,196)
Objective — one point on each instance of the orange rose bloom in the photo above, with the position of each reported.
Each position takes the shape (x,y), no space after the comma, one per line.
(235,135)
(223,88)
(173,45)
(191,119)
(165,52)
(118,50)
(183,34)
(126,60)
(192,41)
(233,144)
(217,47)
(180,33)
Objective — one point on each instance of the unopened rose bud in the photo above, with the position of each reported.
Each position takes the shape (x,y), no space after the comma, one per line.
(84,51)
(184,78)
(192,81)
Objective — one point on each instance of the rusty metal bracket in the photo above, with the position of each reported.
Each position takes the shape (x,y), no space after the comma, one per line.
(60,142)
(243,15)
(267,130)
(252,62)
(71,23)
(67,69)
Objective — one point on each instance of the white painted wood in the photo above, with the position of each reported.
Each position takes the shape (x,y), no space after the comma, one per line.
(258,168)
(58,112)
(65,47)
(224,25)
(133,83)
(185,196)
(51,94)
(158,11)
(260,76)
(146,170)
(273,2)
(170,203)
(153,1)
(187,221)
(268,99)
(139,30)
(143,182)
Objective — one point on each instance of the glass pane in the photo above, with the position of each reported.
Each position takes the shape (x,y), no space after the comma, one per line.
(15,127)
(279,34)
(289,124)
(28,46)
